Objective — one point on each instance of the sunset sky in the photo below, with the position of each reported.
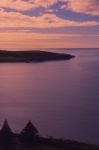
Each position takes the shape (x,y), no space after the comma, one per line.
(28,24)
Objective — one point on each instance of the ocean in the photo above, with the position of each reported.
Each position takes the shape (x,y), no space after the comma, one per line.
(61,98)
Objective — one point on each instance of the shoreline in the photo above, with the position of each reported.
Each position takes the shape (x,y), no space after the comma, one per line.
(29,139)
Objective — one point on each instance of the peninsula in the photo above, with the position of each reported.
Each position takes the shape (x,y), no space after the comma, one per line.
(32,56)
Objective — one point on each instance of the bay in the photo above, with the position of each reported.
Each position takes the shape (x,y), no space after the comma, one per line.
(60,97)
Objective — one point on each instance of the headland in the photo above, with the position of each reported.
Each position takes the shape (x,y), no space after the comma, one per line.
(32,56)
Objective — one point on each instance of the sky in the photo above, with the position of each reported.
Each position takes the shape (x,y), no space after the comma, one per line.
(29,24)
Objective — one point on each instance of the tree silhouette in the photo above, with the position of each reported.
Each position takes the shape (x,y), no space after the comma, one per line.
(29,134)
(6,135)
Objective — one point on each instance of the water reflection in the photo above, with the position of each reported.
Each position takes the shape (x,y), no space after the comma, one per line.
(61,98)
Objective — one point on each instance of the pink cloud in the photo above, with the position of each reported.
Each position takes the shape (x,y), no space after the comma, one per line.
(26,40)
(16,19)
(83,6)
(26,5)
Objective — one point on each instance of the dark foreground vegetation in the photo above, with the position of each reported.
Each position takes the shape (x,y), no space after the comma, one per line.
(29,139)
(31,56)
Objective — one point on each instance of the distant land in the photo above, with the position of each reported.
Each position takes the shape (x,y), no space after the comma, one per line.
(32,56)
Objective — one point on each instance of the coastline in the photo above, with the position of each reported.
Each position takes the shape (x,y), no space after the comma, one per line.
(29,139)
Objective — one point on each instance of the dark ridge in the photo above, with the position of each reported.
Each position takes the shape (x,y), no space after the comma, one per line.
(32,56)
(29,139)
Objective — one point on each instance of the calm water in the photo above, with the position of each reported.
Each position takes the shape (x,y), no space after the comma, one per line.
(61,98)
